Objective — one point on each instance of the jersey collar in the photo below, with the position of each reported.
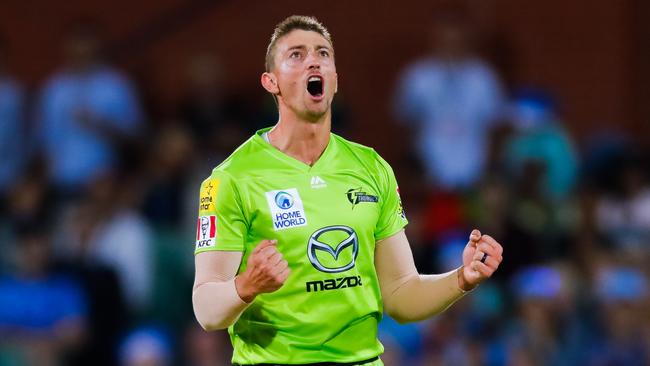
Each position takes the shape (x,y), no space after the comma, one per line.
(322,160)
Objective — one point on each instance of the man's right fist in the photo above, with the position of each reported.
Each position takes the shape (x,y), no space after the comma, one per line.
(266,271)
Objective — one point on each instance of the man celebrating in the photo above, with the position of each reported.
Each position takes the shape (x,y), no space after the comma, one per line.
(300,239)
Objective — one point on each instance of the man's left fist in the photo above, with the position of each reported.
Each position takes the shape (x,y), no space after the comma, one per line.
(481,257)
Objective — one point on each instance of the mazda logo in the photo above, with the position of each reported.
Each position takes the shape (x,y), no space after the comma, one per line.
(315,244)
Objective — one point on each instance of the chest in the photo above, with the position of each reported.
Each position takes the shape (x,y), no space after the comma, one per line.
(323,220)
(293,203)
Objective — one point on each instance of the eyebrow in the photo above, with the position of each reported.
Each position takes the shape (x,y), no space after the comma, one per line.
(302,47)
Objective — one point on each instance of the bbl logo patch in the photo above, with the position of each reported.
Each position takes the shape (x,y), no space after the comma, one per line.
(286,209)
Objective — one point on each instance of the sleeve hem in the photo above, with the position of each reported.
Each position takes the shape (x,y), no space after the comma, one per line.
(222,248)
(389,233)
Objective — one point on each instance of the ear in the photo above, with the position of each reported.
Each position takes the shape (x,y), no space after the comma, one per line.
(336,83)
(270,83)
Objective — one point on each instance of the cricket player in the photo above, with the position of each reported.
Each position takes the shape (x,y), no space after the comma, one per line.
(300,243)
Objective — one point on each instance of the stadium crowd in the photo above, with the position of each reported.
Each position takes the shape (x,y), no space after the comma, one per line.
(98,208)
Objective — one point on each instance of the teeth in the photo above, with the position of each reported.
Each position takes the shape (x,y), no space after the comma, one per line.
(314,78)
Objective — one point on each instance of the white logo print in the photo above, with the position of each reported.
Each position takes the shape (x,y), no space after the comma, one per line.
(318,182)
(286,209)
(315,244)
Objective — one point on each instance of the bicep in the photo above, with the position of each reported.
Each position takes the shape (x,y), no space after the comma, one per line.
(394,262)
(216,266)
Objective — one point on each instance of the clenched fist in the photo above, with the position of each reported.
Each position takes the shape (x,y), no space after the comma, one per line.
(265,272)
(481,257)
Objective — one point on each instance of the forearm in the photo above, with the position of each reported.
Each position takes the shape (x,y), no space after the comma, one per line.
(217,304)
(421,296)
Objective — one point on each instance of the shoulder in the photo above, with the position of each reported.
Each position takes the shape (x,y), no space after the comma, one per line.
(243,162)
(366,155)
(362,152)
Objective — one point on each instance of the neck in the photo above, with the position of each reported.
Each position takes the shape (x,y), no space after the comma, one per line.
(302,140)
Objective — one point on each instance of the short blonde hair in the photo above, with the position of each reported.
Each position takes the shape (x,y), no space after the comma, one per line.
(290,24)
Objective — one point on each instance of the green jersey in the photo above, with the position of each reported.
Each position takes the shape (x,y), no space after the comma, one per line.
(326,219)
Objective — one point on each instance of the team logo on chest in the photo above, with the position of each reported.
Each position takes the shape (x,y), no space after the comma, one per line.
(286,209)
(356,196)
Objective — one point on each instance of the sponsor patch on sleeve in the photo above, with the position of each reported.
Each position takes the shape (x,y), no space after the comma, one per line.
(206,231)
(208,196)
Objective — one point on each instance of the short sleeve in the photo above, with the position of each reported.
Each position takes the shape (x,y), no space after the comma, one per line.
(221,224)
(392,218)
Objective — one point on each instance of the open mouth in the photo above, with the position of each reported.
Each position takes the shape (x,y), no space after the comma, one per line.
(315,86)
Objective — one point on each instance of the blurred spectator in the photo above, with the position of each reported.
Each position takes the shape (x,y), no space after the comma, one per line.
(106,229)
(213,117)
(541,140)
(542,167)
(457,338)
(28,199)
(620,285)
(438,220)
(203,348)
(604,152)
(442,215)
(107,313)
(167,173)
(535,232)
(12,126)
(170,166)
(547,330)
(403,343)
(451,100)
(87,110)
(490,207)
(623,296)
(42,311)
(623,214)
(146,346)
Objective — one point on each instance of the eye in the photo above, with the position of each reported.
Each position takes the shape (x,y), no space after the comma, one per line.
(324,53)
(295,54)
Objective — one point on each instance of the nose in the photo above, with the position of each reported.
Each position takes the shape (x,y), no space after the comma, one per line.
(313,61)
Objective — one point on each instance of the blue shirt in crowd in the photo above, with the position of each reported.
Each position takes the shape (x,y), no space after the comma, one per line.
(453,106)
(38,305)
(76,152)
